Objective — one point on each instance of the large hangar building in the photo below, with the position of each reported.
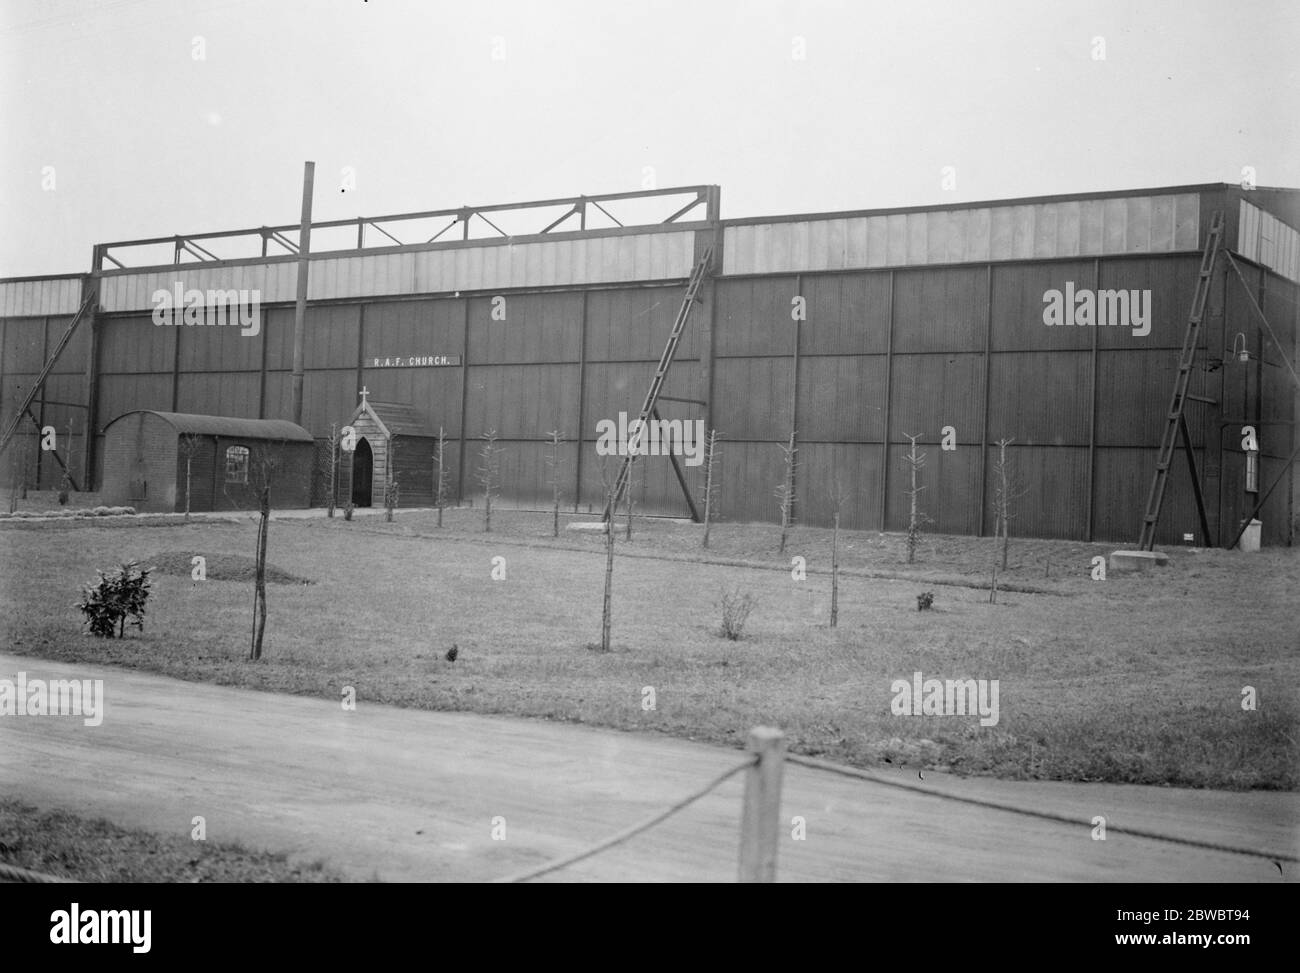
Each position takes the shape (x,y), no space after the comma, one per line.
(1054,322)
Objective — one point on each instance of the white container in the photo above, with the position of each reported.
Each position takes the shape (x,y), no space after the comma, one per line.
(1250,537)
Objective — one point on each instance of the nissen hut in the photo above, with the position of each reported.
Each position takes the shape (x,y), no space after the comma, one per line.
(172,461)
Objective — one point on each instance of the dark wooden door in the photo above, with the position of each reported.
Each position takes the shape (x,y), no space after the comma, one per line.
(363,465)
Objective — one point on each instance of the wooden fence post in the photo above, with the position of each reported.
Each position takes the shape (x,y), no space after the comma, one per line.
(760,820)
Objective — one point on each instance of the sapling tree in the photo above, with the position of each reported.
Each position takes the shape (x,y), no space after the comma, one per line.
(189,445)
(838,498)
(553,468)
(607,604)
(488,474)
(785,492)
(262,470)
(440,474)
(332,464)
(1005,493)
(916,517)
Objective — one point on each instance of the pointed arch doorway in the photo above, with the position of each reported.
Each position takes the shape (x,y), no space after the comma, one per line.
(363,466)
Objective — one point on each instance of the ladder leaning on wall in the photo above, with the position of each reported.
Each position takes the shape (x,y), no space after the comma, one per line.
(650,407)
(25,408)
(1176,418)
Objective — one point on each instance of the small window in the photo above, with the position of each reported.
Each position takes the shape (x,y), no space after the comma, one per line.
(237,464)
(1252,471)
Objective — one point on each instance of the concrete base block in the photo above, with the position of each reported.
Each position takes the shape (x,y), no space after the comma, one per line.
(1137,560)
(598,525)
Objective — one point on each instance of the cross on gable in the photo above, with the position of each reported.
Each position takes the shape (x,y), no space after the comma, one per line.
(364,392)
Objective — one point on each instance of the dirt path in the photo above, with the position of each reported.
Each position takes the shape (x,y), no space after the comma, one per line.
(411,796)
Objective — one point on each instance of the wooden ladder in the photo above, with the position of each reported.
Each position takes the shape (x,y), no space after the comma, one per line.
(649,408)
(1175,420)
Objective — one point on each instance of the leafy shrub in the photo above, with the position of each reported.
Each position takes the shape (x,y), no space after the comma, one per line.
(736,606)
(115,599)
(924,601)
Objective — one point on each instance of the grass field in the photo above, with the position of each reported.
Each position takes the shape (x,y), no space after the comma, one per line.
(94,850)
(1135,679)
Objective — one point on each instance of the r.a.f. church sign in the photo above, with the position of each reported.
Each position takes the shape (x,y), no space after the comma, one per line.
(415,361)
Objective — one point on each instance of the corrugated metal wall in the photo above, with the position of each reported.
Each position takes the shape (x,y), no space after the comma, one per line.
(881,353)
(1068,228)
(40,296)
(483,265)
(1267,240)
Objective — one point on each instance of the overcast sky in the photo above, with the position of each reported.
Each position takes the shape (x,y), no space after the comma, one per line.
(114,126)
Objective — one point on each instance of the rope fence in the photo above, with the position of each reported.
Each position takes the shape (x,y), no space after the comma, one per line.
(760,814)
(633,831)
(815,764)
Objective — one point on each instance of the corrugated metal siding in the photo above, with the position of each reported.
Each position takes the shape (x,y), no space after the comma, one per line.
(136,344)
(523,401)
(24,345)
(1133,224)
(748,475)
(840,398)
(1018,306)
(134,292)
(631,325)
(1040,397)
(752,398)
(228,394)
(410,328)
(1137,383)
(585,260)
(536,328)
(56,295)
(940,310)
(753,317)
(1267,240)
(929,392)
(848,314)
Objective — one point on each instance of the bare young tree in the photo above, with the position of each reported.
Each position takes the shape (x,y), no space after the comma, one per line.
(488,472)
(440,474)
(606,613)
(838,499)
(1005,492)
(711,450)
(785,492)
(189,444)
(916,518)
(262,469)
(391,492)
(553,465)
(332,494)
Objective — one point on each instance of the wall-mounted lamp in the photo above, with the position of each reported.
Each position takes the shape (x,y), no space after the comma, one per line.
(1239,351)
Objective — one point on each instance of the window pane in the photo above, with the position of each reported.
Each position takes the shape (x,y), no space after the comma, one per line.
(237,464)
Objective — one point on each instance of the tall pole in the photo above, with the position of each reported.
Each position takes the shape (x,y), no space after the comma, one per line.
(300,308)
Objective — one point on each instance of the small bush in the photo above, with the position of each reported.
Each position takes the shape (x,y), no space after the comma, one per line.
(115,599)
(924,601)
(736,606)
